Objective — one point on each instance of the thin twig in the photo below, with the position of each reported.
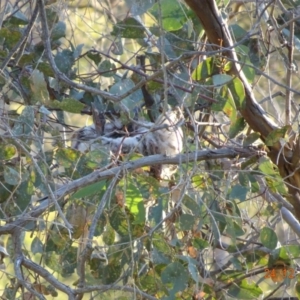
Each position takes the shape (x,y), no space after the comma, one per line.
(289,74)
(88,249)
(22,40)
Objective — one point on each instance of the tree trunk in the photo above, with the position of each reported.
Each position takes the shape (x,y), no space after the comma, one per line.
(287,156)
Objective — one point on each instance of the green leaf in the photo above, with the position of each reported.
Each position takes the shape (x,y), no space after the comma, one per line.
(11,36)
(267,167)
(238,192)
(25,122)
(297,288)
(89,190)
(95,57)
(119,222)
(238,32)
(58,31)
(173,14)
(229,108)
(268,238)
(129,28)
(37,246)
(5,192)
(69,105)
(26,59)
(238,230)
(159,258)
(200,244)
(192,205)
(134,202)
(221,79)
(106,68)
(39,88)
(67,157)
(204,70)
(175,276)
(18,18)
(45,68)
(64,61)
(186,221)
(139,7)
(230,230)
(11,176)
(108,235)
(192,266)
(133,100)
(277,135)
(238,92)
(237,127)
(78,51)
(289,252)
(251,138)
(7,151)
(244,291)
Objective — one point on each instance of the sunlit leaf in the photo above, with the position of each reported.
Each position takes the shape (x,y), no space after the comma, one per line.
(238,92)
(245,290)
(205,69)
(7,151)
(134,202)
(173,14)
(229,108)
(276,135)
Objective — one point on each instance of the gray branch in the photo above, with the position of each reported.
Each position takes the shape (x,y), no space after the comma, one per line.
(124,168)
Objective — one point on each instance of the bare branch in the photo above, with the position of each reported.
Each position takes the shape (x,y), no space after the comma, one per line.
(127,167)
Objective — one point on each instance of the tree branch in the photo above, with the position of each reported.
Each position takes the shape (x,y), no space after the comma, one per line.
(126,167)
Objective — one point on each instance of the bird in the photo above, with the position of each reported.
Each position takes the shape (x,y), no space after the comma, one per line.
(165,137)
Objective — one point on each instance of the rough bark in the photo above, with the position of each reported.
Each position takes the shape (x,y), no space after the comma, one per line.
(285,157)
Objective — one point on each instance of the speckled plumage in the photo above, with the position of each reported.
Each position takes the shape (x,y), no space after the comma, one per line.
(163,137)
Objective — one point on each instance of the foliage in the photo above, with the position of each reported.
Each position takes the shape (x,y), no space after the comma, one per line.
(87,225)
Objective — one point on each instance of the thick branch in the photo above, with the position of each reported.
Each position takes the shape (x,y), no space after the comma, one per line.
(284,156)
(126,167)
(219,36)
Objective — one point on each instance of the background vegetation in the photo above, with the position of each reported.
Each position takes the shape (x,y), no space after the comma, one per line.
(82,225)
